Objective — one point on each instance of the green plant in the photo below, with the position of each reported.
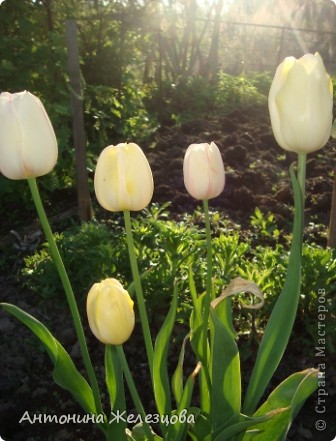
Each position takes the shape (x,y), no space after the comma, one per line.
(264,224)
(116,115)
(234,92)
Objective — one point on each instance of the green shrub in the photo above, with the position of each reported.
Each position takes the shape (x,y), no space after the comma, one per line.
(166,251)
(241,91)
(116,116)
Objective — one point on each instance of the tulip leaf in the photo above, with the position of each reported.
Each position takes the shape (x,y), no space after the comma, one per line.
(225,373)
(177,380)
(201,429)
(199,341)
(139,434)
(178,430)
(115,386)
(290,394)
(200,346)
(65,374)
(280,323)
(160,371)
(229,432)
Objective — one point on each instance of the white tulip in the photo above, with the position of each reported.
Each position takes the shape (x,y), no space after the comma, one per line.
(28,145)
(203,171)
(300,104)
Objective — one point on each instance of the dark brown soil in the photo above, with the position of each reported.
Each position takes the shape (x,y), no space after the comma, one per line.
(256,168)
(256,176)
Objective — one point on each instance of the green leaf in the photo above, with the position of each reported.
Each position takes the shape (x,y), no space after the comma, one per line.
(65,374)
(177,380)
(290,394)
(197,330)
(139,434)
(273,417)
(199,342)
(280,323)
(200,429)
(178,430)
(115,386)
(225,373)
(160,369)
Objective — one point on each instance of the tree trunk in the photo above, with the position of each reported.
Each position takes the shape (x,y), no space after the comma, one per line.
(84,201)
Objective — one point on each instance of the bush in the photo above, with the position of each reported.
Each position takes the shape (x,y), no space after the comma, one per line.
(166,251)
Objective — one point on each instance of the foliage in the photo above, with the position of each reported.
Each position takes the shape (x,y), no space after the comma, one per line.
(188,98)
(96,250)
(196,97)
(264,225)
(241,91)
(114,116)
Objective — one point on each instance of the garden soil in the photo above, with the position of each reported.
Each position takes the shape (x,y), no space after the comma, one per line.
(256,176)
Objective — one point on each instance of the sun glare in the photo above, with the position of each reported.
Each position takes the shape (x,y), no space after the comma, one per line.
(204,4)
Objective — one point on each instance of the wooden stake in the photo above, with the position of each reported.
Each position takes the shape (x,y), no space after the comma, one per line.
(83,195)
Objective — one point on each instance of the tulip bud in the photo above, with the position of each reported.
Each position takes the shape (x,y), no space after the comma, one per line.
(300,104)
(28,146)
(110,312)
(123,178)
(203,170)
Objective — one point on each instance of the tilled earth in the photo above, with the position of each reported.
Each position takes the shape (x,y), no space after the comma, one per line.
(256,176)
(256,168)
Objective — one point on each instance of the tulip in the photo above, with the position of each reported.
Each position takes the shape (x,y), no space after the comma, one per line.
(123,179)
(110,312)
(28,145)
(203,170)
(300,104)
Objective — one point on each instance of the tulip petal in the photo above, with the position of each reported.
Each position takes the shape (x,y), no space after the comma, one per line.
(123,178)
(38,137)
(28,146)
(110,312)
(203,170)
(300,104)
(10,139)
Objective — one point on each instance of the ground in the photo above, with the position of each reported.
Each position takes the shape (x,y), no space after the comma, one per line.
(256,176)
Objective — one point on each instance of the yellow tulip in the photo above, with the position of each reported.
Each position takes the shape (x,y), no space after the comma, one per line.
(28,145)
(203,170)
(123,178)
(110,312)
(300,104)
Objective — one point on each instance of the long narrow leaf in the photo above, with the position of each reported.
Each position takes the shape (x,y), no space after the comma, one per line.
(115,386)
(280,323)
(291,393)
(178,430)
(201,429)
(225,374)
(65,374)
(177,380)
(274,417)
(160,372)
(198,338)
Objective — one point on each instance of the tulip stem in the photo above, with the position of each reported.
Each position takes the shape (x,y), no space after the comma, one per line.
(68,291)
(209,290)
(301,173)
(133,391)
(209,296)
(138,291)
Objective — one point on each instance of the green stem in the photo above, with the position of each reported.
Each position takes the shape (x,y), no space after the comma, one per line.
(138,291)
(68,291)
(301,174)
(205,381)
(280,324)
(115,385)
(209,290)
(133,391)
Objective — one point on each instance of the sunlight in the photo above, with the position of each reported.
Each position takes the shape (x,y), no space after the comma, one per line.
(205,4)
